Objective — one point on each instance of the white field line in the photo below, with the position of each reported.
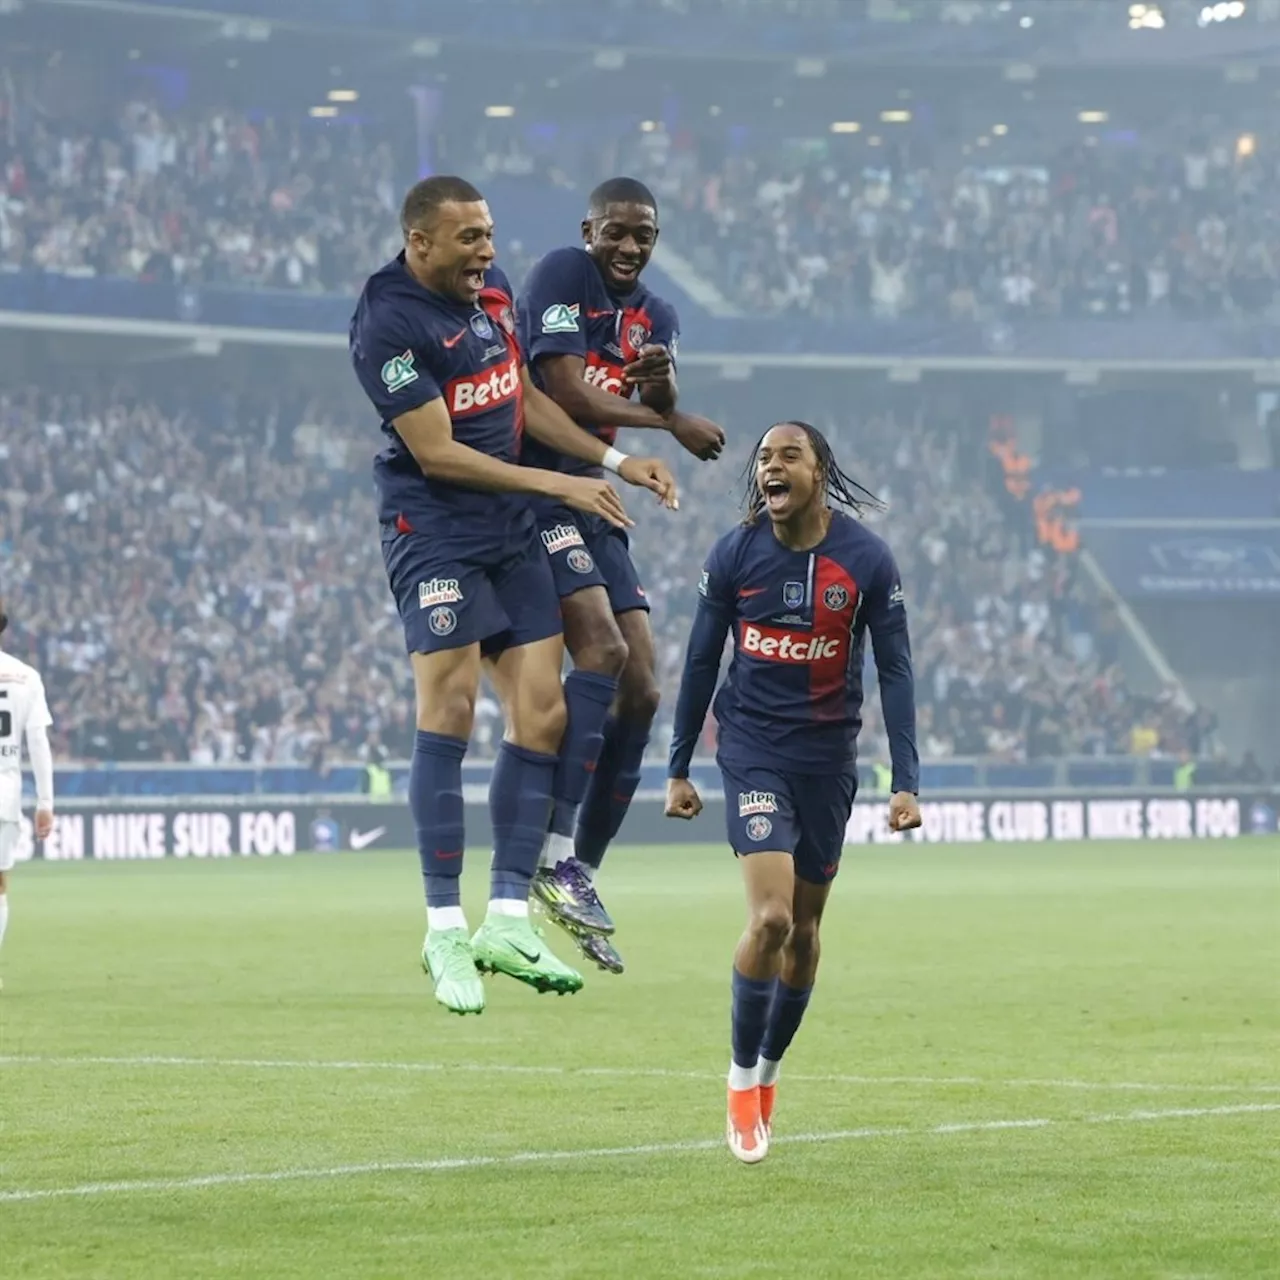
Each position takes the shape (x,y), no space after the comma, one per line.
(453,1164)
(659,1073)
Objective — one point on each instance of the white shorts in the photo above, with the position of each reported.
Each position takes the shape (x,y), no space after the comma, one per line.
(9,832)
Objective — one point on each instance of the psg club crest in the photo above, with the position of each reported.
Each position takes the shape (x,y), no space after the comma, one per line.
(442,620)
(835,597)
(579,560)
(793,594)
(480,326)
(637,336)
(759,827)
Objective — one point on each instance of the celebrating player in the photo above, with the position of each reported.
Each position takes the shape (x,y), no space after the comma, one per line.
(800,583)
(594,336)
(23,710)
(433,343)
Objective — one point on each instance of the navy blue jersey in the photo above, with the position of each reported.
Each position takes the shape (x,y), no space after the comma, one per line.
(793,694)
(566,309)
(410,346)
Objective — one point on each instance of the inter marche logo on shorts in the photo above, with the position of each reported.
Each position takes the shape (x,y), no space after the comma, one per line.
(561,537)
(438,591)
(756,802)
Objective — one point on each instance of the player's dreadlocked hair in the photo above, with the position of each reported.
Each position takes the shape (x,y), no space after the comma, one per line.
(425,197)
(619,191)
(842,489)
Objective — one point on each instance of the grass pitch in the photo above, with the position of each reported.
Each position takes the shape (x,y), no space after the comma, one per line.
(1058,1061)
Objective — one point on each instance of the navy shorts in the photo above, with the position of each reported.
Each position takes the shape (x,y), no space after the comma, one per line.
(587,551)
(502,597)
(803,814)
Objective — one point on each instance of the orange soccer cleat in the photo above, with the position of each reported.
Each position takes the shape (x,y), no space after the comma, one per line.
(744,1129)
(768,1095)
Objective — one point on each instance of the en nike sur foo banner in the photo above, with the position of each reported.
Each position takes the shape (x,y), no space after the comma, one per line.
(256,830)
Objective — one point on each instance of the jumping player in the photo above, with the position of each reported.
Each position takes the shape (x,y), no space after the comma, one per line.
(800,583)
(434,346)
(595,336)
(23,711)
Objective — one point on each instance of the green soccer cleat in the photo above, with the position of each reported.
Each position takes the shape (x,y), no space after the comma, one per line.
(447,958)
(508,944)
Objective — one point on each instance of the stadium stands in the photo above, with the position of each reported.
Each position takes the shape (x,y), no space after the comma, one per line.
(200,581)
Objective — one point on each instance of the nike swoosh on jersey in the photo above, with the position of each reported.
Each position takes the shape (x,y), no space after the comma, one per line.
(750,591)
(598,315)
(453,342)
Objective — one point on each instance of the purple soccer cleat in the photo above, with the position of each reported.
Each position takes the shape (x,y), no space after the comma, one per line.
(571,899)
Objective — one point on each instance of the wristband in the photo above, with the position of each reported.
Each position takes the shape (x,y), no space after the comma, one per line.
(613,459)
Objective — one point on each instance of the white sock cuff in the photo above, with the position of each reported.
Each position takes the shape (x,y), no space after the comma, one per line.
(518,908)
(768,1070)
(446,918)
(742,1077)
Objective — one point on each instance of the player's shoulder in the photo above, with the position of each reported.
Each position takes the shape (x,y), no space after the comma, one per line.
(852,534)
(570,262)
(497,284)
(563,277)
(15,671)
(862,551)
(659,309)
(384,304)
(729,548)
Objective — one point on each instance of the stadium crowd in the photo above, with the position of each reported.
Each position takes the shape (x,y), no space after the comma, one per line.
(213,197)
(201,581)
(1185,221)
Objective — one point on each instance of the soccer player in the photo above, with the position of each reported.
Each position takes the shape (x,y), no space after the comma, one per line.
(433,342)
(800,583)
(23,711)
(595,337)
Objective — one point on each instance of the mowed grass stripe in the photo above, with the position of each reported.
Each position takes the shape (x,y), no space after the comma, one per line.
(454,1164)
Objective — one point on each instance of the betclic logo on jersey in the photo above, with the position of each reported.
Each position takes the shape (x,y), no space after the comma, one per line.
(602,374)
(480,392)
(775,645)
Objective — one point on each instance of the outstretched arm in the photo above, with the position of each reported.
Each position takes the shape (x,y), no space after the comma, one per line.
(891,648)
(711,625)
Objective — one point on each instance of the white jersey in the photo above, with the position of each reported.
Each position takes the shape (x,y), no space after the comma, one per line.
(22,707)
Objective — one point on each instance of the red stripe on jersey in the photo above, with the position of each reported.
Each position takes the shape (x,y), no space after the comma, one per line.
(500,309)
(835,603)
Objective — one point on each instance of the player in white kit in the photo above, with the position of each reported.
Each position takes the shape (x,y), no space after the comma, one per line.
(23,710)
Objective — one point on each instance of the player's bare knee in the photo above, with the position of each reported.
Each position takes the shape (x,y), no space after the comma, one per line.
(592,634)
(448,710)
(638,697)
(605,654)
(539,720)
(771,924)
(803,944)
(4,883)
